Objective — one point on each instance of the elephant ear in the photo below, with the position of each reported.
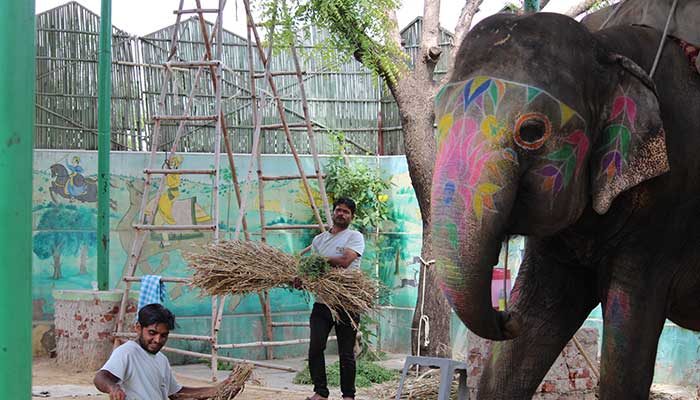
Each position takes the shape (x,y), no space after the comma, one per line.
(631,147)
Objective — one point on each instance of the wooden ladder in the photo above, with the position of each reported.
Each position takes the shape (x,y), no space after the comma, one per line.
(213,64)
(258,134)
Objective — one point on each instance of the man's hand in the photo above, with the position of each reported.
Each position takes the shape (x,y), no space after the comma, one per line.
(116,393)
(105,382)
(297,284)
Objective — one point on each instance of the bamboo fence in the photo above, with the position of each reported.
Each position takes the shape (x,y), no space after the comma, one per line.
(67,41)
(349,99)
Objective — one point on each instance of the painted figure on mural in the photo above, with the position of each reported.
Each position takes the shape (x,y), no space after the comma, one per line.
(76,182)
(70,182)
(171,210)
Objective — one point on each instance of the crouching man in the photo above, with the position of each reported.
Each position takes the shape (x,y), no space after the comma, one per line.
(138,370)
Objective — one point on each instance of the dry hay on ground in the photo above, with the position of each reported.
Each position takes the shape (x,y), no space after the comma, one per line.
(416,387)
(235,383)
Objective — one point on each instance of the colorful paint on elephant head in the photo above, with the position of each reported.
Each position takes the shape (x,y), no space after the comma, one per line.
(482,134)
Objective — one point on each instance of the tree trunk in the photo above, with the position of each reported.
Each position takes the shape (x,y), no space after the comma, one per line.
(57,262)
(414,93)
(83,259)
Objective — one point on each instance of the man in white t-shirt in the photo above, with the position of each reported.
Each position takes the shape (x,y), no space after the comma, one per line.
(137,370)
(343,248)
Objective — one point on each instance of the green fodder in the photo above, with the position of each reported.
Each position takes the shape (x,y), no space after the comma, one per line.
(368,374)
(313,267)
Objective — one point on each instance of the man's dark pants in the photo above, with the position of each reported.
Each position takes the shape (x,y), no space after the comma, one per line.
(321,322)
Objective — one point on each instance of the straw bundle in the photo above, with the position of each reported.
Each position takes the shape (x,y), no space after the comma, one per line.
(235,382)
(242,267)
(424,387)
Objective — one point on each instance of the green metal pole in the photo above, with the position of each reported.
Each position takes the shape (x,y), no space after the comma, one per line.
(17,52)
(104,111)
(531,6)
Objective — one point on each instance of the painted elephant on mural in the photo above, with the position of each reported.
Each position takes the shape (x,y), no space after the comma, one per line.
(553,132)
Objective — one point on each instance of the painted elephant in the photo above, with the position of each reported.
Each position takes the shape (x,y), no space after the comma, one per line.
(553,132)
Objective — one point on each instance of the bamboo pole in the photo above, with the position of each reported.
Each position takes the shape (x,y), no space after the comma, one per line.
(280,110)
(217,309)
(310,132)
(285,177)
(286,324)
(276,343)
(176,336)
(231,359)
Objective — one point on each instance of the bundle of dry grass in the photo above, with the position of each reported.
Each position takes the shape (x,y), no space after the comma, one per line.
(235,383)
(242,267)
(423,387)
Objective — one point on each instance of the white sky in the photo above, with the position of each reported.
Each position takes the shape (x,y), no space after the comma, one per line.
(140,17)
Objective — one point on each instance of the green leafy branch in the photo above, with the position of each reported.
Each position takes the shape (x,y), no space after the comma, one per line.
(359,28)
(358,181)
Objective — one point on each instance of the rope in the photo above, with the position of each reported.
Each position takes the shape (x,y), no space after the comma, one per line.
(594,369)
(505,277)
(663,38)
(612,14)
(424,319)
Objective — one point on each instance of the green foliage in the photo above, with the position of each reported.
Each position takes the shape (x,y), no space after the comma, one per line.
(600,5)
(368,373)
(313,266)
(367,332)
(358,28)
(363,184)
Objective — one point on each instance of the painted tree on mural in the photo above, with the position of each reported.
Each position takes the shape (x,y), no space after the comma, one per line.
(66,230)
(368,31)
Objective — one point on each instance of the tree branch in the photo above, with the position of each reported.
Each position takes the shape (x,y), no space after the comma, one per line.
(430,36)
(470,8)
(580,8)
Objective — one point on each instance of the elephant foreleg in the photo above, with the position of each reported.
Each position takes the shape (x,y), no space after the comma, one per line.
(633,317)
(553,300)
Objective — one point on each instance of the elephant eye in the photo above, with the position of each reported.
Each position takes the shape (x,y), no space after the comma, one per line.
(532,130)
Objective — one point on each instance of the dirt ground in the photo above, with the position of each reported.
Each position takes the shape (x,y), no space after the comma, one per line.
(45,372)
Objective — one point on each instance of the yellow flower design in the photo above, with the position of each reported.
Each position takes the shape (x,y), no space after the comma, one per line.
(491,128)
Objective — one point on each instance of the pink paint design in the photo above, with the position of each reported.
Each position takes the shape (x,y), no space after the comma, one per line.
(617,136)
(626,104)
(470,165)
(579,140)
(617,306)
(459,166)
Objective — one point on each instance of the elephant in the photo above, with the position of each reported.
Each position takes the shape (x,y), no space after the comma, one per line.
(548,130)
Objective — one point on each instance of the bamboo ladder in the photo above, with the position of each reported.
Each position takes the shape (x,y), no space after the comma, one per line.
(214,66)
(258,134)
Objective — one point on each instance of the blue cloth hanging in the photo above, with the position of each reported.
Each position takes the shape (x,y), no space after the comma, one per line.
(152,290)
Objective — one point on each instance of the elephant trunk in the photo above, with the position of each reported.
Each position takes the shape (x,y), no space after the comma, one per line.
(466,245)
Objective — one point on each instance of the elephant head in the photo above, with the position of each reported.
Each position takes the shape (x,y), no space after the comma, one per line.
(531,130)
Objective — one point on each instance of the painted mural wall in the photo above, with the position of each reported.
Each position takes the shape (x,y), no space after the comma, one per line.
(65,210)
(64,247)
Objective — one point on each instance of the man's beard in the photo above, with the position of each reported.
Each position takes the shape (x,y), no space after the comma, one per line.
(341,223)
(144,345)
